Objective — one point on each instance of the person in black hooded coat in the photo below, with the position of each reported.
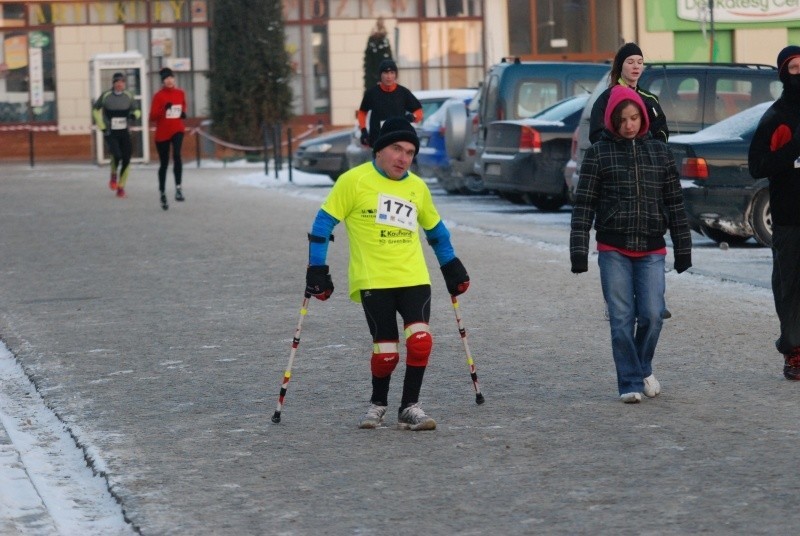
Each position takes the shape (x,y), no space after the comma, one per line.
(775,153)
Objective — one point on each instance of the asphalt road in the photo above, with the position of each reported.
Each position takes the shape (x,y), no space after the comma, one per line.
(160,339)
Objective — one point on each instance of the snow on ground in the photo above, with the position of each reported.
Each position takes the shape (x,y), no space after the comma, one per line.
(46,487)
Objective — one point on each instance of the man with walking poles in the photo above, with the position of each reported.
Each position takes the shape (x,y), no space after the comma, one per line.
(383,206)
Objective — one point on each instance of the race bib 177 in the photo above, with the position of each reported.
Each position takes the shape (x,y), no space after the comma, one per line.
(397,212)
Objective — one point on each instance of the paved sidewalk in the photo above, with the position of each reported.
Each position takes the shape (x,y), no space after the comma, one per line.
(162,338)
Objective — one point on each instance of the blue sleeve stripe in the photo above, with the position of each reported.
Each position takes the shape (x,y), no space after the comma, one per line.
(323,226)
(439,238)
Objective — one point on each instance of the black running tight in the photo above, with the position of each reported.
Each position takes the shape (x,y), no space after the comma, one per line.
(163,157)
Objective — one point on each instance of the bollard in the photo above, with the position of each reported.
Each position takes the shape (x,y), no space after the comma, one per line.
(30,144)
(197,146)
(289,150)
(277,149)
(265,132)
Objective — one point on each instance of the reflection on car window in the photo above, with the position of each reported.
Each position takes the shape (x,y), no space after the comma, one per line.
(430,107)
(738,125)
(583,86)
(562,109)
(534,96)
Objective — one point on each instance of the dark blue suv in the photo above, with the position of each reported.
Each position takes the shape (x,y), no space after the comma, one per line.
(514,89)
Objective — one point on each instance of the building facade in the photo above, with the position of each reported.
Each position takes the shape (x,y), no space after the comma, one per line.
(46,46)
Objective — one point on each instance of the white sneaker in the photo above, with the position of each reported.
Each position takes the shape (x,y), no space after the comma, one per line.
(413,418)
(373,417)
(631,398)
(651,386)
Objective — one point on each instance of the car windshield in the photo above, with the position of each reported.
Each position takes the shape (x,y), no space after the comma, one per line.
(437,118)
(562,109)
(429,107)
(735,126)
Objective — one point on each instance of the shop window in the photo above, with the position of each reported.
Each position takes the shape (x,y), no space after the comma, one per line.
(588,28)
(291,10)
(319,58)
(18,104)
(449,49)
(452,8)
(357,9)
(12,15)
(315,9)
(519,28)
(563,27)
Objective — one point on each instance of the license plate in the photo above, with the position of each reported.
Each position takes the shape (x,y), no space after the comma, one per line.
(492,169)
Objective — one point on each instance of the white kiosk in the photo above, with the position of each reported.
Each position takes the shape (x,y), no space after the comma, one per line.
(101,68)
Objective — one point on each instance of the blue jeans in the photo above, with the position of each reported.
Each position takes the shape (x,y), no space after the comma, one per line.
(633,287)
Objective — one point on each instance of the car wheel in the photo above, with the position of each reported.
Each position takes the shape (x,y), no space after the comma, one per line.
(473,185)
(721,236)
(517,199)
(761,218)
(547,203)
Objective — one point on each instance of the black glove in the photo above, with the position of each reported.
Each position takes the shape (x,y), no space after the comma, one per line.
(364,137)
(580,264)
(455,277)
(167,106)
(318,282)
(683,262)
(106,132)
(183,115)
(410,117)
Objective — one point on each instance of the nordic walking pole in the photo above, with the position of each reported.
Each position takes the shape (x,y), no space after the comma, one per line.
(276,417)
(472,371)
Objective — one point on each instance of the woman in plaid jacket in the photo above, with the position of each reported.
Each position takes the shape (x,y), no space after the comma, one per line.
(629,190)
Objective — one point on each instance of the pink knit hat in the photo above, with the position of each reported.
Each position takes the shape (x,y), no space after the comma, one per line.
(620,93)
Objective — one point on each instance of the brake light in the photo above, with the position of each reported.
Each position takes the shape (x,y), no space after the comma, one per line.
(500,114)
(442,130)
(475,123)
(530,141)
(694,168)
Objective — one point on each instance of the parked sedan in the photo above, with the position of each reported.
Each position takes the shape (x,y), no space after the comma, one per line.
(723,202)
(524,160)
(324,154)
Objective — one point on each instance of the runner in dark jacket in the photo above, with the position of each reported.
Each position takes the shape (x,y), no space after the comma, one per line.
(775,153)
(385,100)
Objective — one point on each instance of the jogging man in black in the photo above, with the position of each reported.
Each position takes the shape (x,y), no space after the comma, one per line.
(112,113)
(385,100)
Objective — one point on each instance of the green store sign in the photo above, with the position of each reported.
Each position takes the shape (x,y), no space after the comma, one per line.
(38,39)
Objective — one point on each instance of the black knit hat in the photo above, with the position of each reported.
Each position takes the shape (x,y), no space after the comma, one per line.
(394,130)
(784,57)
(626,50)
(387,65)
(117,76)
(166,72)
